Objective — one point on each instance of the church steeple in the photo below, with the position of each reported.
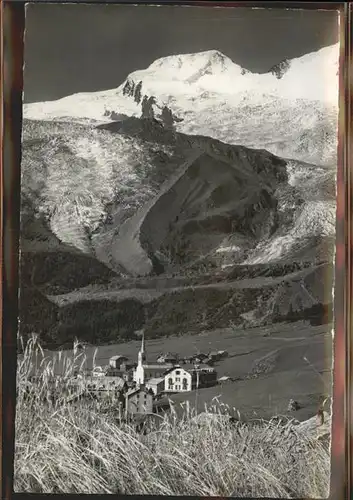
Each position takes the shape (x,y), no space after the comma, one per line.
(142,353)
(139,373)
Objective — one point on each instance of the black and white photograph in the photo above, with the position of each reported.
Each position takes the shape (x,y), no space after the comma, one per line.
(177,245)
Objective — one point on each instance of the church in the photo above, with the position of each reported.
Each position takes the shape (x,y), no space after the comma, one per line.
(144,370)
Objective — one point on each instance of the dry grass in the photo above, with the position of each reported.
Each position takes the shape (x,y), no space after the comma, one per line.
(63,448)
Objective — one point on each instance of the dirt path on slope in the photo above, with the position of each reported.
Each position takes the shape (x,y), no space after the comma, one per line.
(146,295)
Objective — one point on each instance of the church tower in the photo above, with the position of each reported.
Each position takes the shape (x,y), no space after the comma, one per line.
(139,374)
(142,353)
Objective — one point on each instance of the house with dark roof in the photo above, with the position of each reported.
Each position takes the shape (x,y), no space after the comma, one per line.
(117,361)
(125,371)
(138,400)
(214,356)
(199,357)
(167,358)
(156,384)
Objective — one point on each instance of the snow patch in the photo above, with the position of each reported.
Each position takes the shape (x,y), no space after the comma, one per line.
(229,249)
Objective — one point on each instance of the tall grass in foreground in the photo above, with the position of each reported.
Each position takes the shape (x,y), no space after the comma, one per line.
(77,448)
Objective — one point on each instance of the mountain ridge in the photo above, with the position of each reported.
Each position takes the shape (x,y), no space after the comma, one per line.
(167,71)
(224,101)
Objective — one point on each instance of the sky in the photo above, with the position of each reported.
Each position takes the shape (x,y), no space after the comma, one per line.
(85,47)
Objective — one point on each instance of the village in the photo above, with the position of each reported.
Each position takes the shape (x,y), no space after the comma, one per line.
(136,388)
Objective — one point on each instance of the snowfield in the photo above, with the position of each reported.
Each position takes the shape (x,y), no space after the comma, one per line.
(214,96)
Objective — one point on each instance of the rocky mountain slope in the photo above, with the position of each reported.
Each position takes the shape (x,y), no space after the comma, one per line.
(162,204)
(176,230)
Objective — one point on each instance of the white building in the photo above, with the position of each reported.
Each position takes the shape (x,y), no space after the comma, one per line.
(171,378)
(189,377)
(178,380)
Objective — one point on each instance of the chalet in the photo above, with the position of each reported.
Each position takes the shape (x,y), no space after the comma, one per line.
(117,361)
(156,385)
(126,366)
(138,400)
(167,358)
(214,356)
(124,371)
(206,376)
(199,357)
(200,367)
(189,377)
(178,379)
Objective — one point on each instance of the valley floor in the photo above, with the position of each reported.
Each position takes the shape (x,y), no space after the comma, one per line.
(269,366)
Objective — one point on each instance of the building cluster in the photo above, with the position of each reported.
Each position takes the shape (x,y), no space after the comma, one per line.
(138,386)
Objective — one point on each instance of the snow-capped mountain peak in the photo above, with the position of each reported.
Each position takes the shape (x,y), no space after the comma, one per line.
(207,93)
(186,66)
(189,74)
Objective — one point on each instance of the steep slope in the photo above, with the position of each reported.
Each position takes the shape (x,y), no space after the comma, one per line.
(49,266)
(73,174)
(213,198)
(306,216)
(292,113)
(300,221)
(141,198)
